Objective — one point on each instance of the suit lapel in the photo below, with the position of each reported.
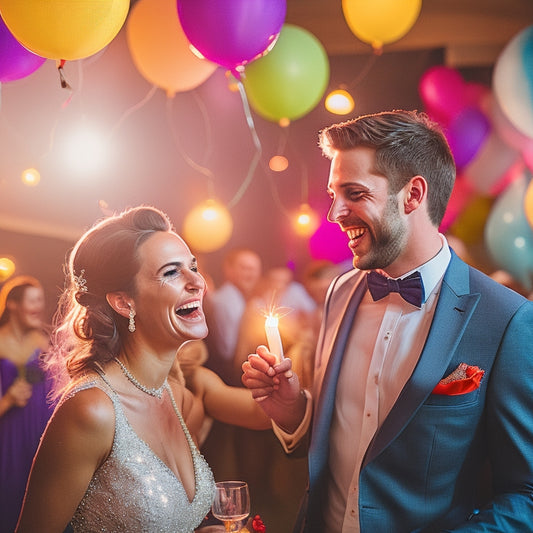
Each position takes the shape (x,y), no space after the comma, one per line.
(452,314)
(318,452)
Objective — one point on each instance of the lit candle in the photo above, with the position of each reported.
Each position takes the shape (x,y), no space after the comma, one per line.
(273,336)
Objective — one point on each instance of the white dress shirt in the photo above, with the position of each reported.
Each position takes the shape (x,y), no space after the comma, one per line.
(382,351)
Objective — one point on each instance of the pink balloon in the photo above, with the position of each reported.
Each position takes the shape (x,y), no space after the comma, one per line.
(16,62)
(329,242)
(442,91)
(232,33)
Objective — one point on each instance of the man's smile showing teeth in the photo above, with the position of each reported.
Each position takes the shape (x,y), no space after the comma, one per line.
(188,308)
(354,233)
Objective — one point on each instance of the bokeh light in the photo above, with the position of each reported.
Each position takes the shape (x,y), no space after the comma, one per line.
(7,267)
(31,177)
(278,163)
(339,102)
(208,227)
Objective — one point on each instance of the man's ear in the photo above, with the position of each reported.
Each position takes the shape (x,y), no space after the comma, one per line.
(415,193)
(120,302)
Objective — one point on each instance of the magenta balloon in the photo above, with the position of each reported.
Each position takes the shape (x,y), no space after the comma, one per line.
(16,62)
(442,90)
(466,134)
(231,32)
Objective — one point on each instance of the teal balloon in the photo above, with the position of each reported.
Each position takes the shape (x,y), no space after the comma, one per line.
(289,81)
(508,235)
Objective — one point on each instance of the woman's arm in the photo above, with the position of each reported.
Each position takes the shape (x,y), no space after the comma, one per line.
(76,441)
(231,405)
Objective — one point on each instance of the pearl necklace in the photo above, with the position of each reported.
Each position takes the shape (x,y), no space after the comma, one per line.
(156,393)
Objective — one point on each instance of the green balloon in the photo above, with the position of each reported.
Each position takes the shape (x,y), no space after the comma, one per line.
(290,80)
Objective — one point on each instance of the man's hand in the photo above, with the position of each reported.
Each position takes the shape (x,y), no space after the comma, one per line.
(276,387)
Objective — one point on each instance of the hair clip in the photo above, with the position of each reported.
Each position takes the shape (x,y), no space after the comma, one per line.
(80,281)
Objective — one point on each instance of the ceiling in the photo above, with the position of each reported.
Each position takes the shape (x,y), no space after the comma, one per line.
(472,32)
(157,144)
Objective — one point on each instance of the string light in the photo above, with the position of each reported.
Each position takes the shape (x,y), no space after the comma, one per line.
(7,267)
(208,226)
(31,177)
(306,221)
(278,163)
(339,102)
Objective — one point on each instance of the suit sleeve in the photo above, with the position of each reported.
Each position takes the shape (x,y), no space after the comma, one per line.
(509,419)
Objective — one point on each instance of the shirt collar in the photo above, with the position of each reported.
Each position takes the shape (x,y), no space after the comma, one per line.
(433,270)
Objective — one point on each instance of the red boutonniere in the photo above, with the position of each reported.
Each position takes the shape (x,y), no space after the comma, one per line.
(257,524)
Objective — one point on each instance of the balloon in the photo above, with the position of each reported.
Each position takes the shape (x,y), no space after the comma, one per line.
(469,225)
(489,168)
(508,235)
(513,81)
(528,203)
(329,242)
(443,92)
(232,33)
(380,21)
(291,79)
(16,62)
(208,227)
(466,134)
(64,30)
(462,194)
(160,50)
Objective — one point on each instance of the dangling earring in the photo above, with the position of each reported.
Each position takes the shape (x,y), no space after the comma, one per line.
(131,325)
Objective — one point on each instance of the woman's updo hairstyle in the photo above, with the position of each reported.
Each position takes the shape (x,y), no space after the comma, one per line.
(104,260)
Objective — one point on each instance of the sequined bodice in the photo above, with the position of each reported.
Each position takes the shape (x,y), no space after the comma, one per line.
(134,491)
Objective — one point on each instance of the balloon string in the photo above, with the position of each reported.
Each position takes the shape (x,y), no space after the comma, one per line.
(208,132)
(203,170)
(364,71)
(133,109)
(258,149)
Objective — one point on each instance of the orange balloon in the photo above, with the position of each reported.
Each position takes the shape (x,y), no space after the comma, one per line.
(160,50)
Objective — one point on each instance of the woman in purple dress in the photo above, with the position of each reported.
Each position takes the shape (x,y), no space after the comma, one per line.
(24,408)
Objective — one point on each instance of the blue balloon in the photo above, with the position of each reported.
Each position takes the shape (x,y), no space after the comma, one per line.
(509,236)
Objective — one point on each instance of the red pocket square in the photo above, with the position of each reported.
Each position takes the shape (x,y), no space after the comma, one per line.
(463,379)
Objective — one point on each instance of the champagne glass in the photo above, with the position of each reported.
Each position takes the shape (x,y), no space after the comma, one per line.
(231,503)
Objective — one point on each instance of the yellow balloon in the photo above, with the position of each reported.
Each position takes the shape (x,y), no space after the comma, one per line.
(379,22)
(207,227)
(160,50)
(59,29)
(528,203)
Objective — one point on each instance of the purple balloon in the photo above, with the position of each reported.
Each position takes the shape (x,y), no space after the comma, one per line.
(466,134)
(16,62)
(231,32)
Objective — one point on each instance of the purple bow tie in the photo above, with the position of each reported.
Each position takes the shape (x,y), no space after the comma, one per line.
(409,288)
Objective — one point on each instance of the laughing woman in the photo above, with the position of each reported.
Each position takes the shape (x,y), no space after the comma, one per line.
(117,455)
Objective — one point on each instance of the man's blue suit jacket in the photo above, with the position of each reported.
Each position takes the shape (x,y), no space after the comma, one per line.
(425,470)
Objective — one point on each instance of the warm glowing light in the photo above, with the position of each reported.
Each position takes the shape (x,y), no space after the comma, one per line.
(306,221)
(339,102)
(273,337)
(7,267)
(208,227)
(284,122)
(85,150)
(31,177)
(278,163)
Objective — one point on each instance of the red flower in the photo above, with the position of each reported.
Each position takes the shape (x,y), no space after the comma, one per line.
(258,525)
